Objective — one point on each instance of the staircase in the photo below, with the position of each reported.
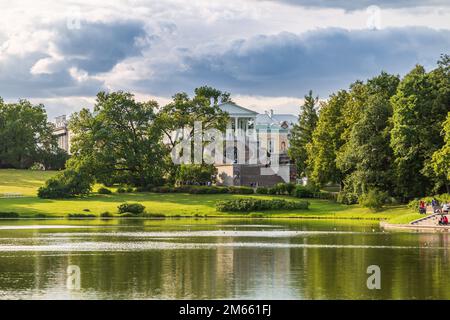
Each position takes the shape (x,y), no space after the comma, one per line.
(252,174)
(431,220)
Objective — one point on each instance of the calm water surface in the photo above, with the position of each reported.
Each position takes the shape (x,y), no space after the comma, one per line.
(219,259)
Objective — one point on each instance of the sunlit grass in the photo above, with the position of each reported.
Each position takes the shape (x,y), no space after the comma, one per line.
(171,204)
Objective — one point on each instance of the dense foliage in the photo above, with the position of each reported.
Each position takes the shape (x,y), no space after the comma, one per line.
(252,204)
(66,184)
(134,208)
(386,134)
(26,138)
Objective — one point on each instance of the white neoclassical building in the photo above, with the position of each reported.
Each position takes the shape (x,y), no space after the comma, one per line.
(263,162)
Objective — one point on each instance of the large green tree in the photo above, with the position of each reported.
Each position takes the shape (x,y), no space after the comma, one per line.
(368,156)
(419,109)
(25,135)
(119,142)
(441,158)
(182,113)
(302,134)
(327,140)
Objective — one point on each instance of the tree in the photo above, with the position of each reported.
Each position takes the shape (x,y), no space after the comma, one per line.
(368,155)
(184,111)
(25,134)
(301,134)
(119,142)
(441,158)
(419,109)
(327,140)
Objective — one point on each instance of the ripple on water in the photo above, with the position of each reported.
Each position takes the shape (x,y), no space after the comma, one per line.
(210,233)
(90,246)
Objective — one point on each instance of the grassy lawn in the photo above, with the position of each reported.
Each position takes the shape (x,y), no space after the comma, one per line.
(27,182)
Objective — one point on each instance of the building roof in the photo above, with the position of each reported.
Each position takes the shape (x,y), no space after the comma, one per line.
(235,110)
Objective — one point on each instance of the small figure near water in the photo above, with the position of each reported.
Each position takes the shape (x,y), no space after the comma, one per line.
(443,221)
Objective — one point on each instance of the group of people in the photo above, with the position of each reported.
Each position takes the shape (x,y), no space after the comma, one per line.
(437,208)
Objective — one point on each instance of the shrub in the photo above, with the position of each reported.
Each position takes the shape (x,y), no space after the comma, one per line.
(347,197)
(66,184)
(303,192)
(134,208)
(261,190)
(154,215)
(196,173)
(9,215)
(290,187)
(241,190)
(272,191)
(441,198)
(280,188)
(104,190)
(251,204)
(106,214)
(121,190)
(374,199)
(80,215)
(201,189)
(163,189)
(129,189)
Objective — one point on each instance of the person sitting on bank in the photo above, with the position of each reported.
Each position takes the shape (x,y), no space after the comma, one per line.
(422,207)
(443,221)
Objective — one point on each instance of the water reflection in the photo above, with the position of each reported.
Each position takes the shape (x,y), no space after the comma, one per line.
(214,259)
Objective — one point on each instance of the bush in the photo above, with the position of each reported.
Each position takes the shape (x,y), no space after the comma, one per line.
(303,192)
(130,189)
(9,215)
(196,173)
(104,190)
(121,190)
(66,184)
(163,189)
(272,191)
(134,208)
(154,215)
(261,190)
(201,189)
(280,188)
(80,215)
(290,187)
(241,190)
(347,197)
(374,199)
(106,214)
(191,189)
(251,204)
(441,198)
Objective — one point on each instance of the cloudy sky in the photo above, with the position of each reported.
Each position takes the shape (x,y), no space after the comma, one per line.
(268,54)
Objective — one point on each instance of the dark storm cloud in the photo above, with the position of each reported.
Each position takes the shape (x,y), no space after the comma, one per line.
(99,47)
(288,64)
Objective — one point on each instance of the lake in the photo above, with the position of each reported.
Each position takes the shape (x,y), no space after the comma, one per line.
(218,259)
